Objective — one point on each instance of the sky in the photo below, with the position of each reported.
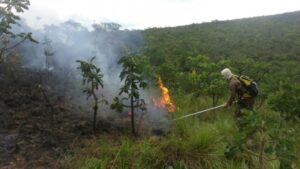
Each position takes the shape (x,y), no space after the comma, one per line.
(142,14)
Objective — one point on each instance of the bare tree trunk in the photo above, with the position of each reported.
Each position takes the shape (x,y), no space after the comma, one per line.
(132,106)
(95,116)
(95,110)
(48,103)
(132,116)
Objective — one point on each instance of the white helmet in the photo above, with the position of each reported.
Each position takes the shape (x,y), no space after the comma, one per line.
(226,73)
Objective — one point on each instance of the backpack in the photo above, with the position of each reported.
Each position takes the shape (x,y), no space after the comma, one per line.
(250,85)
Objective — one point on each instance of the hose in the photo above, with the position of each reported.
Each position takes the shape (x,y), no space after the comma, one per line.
(182,117)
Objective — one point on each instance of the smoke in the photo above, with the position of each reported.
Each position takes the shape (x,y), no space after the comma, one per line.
(70,41)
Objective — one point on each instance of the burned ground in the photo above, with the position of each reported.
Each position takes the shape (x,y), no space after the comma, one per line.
(29,137)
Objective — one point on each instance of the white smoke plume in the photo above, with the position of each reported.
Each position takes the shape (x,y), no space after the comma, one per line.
(70,41)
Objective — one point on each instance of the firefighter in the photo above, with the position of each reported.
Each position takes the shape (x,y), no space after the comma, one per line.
(237,91)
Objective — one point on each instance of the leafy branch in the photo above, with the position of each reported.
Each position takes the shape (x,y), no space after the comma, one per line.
(92,78)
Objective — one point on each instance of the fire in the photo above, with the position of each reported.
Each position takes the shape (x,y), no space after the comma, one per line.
(165,100)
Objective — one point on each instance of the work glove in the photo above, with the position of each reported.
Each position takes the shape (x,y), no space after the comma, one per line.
(226,105)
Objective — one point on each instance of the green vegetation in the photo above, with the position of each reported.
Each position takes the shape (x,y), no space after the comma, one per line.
(92,78)
(133,81)
(212,140)
(189,60)
(8,13)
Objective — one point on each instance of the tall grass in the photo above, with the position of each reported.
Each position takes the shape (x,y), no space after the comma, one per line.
(121,153)
(197,142)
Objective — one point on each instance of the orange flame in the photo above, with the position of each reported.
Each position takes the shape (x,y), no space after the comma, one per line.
(165,100)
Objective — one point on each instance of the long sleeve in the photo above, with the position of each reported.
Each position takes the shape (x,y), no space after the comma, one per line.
(232,90)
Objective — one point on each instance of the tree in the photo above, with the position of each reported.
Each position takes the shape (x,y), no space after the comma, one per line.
(263,137)
(205,77)
(49,53)
(286,100)
(8,8)
(106,26)
(92,78)
(133,81)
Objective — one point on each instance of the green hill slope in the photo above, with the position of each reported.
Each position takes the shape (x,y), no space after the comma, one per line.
(267,37)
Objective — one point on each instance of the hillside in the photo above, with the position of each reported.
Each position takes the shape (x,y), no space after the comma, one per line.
(267,37)
(120,99)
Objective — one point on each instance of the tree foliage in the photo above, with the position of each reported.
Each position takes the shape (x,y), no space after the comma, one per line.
(263,38)
(107,26)
(133,82)
(204,78)
(8,17)
(263,138)
(190,58)
(92,78)
(286,100)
